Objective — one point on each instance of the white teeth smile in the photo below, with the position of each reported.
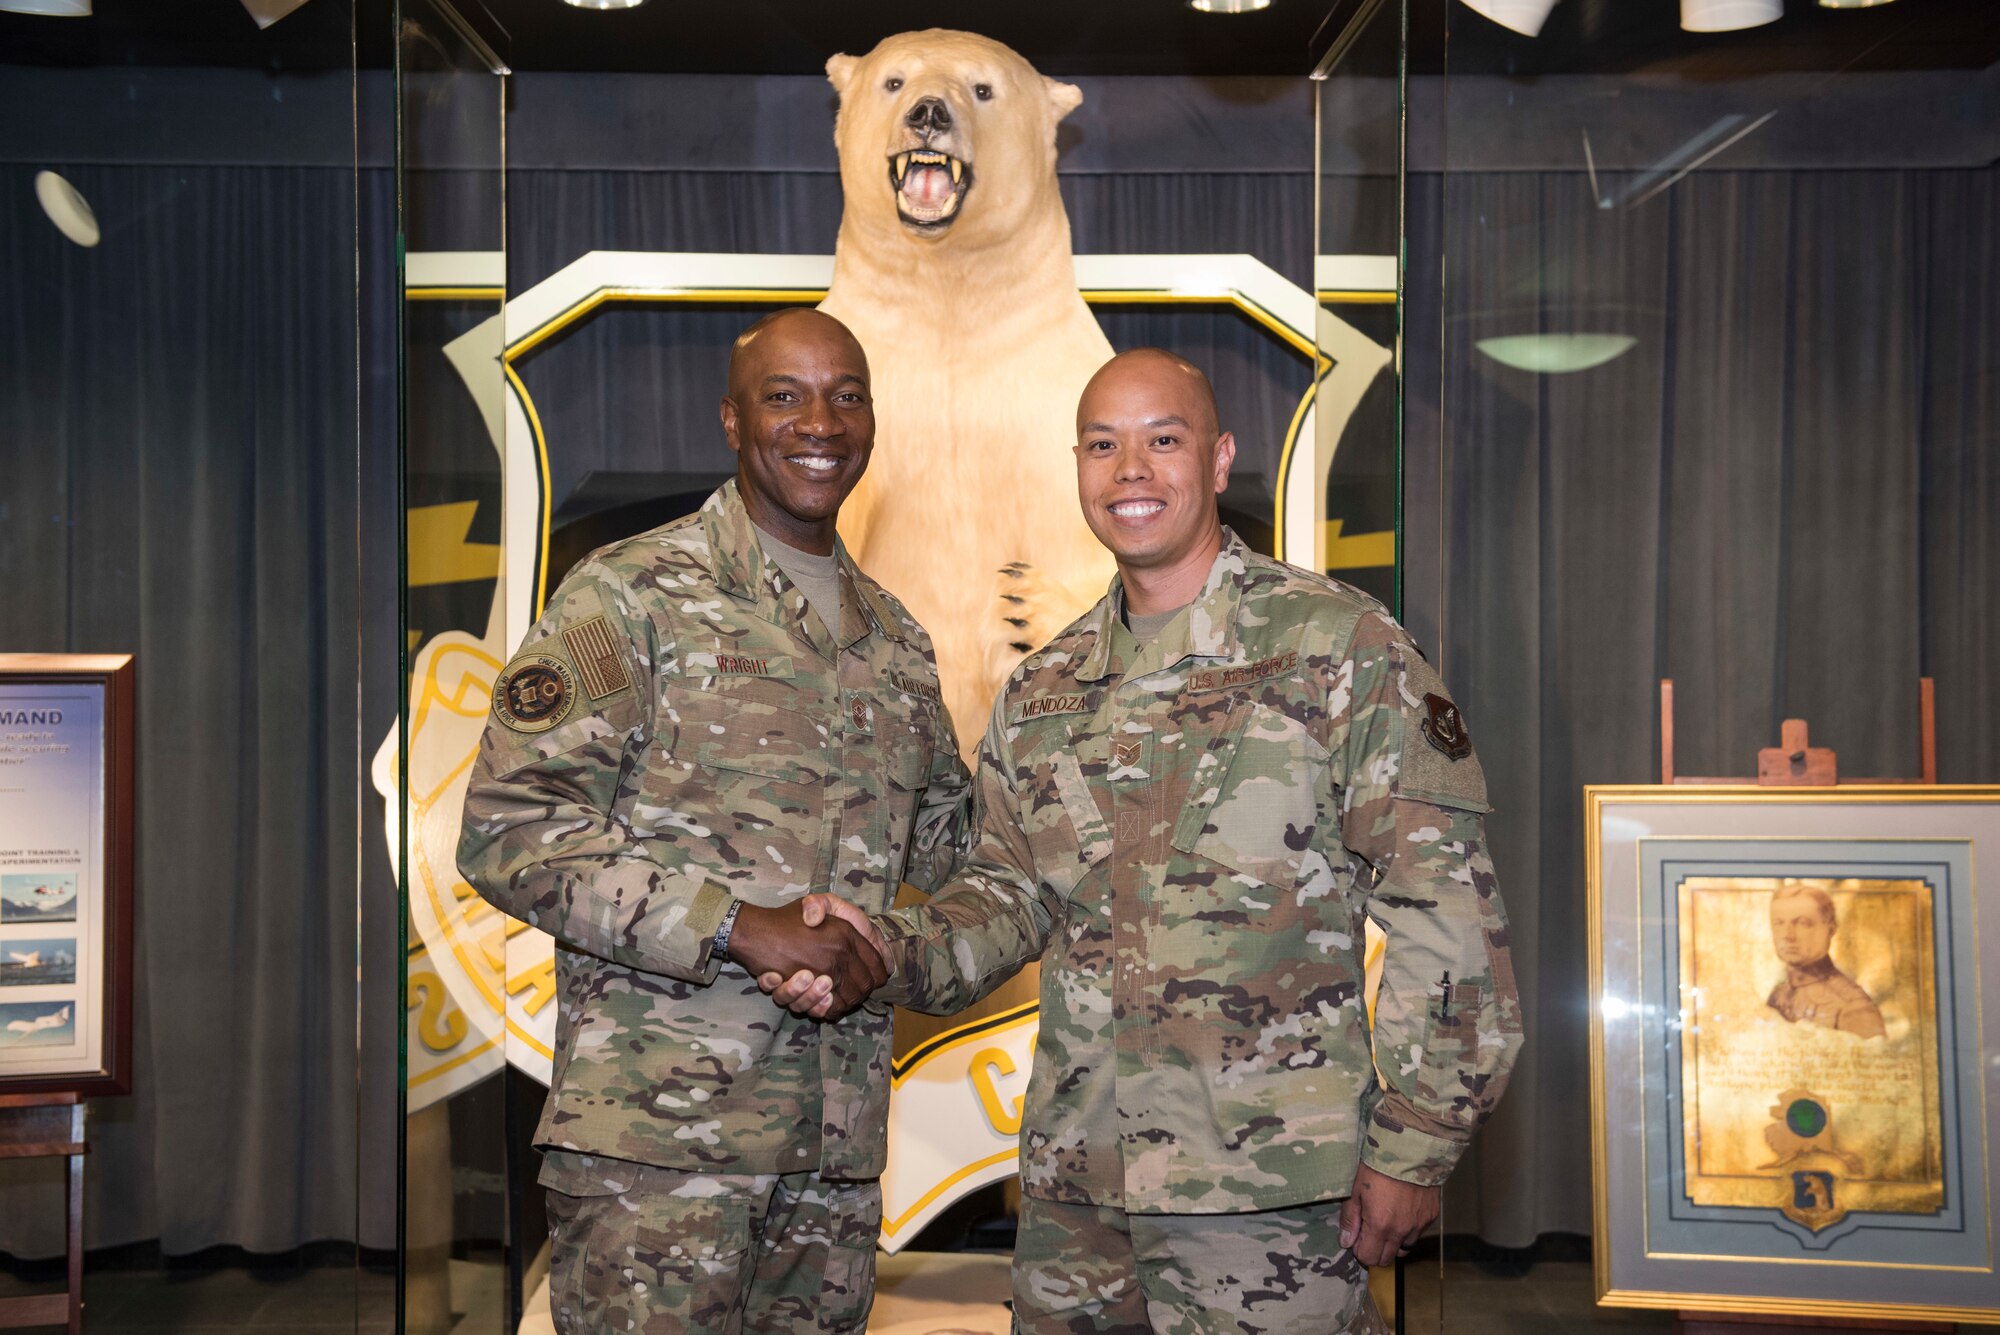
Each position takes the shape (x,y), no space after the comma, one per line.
(819,463)
(1137,509)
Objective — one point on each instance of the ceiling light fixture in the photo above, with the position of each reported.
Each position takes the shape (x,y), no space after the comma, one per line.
(604,4)
(1851,4)
(1729,15)
(267,12)
(67,209)
(1228,6)
(1523,16)
(1556,354)
(65,9)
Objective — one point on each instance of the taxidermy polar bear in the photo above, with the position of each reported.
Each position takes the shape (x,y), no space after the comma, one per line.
(953,268)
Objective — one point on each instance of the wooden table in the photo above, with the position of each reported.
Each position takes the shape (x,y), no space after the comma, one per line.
(36,1126)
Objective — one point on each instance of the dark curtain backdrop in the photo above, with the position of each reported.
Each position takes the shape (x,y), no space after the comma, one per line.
(1785,497)
(178,437)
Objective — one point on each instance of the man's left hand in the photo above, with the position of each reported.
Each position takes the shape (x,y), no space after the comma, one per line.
(1385,1216)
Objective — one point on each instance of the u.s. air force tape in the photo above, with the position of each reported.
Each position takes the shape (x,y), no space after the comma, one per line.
(535,693)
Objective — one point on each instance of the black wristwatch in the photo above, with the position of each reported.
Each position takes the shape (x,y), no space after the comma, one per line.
(718,946)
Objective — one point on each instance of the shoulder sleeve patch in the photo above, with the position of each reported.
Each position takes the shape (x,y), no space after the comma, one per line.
(1437,763)
(535,692)
(1444,728)
(577,662)
(596,656)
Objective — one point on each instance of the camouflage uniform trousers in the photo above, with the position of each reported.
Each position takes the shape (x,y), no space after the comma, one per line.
(682,1253)
(1097,1270)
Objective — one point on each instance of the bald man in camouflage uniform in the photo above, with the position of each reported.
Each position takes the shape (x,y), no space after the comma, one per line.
(1190,803)
(709,721)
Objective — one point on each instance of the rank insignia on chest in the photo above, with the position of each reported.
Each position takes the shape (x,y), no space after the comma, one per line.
(1125,754)
(857,710)
(535,693)
(1444,727)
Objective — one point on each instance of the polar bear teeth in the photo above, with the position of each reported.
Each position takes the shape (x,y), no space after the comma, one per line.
(928,158)
(923,197)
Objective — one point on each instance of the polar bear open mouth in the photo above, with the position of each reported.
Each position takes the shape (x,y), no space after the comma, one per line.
(929,186)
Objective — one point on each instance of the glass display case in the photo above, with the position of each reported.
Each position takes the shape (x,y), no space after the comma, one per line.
(1701,390)
(462,1253)
(582,413)
(192,205)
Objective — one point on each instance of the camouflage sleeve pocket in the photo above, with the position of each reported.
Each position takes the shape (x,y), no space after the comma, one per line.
(1451,1041)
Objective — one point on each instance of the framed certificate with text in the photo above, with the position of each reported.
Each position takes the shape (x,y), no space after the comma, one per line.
(1793,1060)
(66,814)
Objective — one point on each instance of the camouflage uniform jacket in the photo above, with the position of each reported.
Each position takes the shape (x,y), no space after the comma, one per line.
(1191,838)
(679,729)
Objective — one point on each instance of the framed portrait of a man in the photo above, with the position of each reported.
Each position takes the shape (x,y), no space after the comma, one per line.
(1789,1058)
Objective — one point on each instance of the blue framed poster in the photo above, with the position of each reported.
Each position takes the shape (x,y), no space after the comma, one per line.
(66,843)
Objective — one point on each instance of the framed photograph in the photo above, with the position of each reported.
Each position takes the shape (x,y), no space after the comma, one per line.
(66,810)
(1791,1049)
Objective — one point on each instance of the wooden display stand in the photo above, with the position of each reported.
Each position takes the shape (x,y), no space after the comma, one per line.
(1793,763)
(38,1126)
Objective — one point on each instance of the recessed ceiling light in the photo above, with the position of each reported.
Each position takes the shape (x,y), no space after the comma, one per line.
(68,9)
(1228,6)
(1851,4)
(605,4)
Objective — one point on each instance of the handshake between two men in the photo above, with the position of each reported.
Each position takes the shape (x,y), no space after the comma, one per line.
(820,957)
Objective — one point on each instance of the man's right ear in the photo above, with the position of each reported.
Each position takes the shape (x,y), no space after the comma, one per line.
(839,72)
(728,410)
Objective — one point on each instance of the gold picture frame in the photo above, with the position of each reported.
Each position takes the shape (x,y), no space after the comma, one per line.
(1789,1061)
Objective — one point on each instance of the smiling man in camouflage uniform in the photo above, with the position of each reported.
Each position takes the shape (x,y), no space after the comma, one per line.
(709,721)
(1190,802)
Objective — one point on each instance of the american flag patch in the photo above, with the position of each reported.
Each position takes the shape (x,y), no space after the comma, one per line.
(595,654)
